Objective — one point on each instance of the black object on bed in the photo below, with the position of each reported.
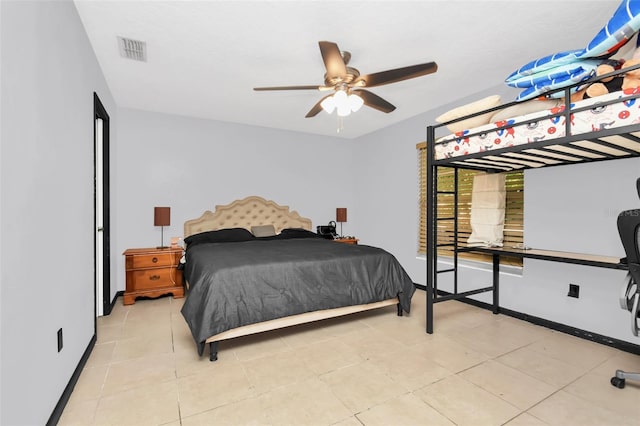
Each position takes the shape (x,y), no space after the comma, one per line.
(232,284)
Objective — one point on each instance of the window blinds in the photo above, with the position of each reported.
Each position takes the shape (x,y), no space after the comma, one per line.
(488,199)
(514,209)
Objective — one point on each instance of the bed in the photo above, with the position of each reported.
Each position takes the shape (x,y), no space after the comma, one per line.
(600,128)
(239,284)
(608,112)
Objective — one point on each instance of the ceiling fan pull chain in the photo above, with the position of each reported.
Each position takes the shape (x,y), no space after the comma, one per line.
(340,123)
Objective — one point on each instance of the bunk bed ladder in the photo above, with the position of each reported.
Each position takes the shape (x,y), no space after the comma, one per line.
(454,243)
(432,233)
(432,240)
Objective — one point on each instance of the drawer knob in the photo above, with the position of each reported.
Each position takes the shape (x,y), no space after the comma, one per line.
(154,277)
(154,260)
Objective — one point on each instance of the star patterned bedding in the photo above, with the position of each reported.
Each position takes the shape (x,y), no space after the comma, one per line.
(542,125)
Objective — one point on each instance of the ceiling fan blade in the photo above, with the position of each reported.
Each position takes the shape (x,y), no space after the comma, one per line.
(332,58)
(374,101)
(398,74)
(316,108)
(316,87)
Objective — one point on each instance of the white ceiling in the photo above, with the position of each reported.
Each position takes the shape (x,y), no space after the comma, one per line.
(204,57)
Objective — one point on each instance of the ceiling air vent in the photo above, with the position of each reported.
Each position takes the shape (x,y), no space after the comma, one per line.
(133,49)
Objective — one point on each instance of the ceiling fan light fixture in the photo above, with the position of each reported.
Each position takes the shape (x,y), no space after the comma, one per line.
(340,96)
(328,104)
(355,102)
(344,110)
(342,103)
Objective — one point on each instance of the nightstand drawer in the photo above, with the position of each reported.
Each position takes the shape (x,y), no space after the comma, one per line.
(154,278)
(151,260)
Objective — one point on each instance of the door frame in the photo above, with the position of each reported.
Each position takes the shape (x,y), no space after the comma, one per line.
(99,112)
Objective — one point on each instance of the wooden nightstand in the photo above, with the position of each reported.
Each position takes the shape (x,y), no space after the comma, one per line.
(152,272)
(347,240)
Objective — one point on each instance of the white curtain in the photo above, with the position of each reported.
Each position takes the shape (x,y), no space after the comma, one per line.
(488,201)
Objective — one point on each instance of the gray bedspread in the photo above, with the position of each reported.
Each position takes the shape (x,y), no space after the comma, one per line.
(241,283)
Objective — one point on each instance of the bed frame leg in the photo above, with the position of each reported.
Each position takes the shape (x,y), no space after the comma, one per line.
(213,351)
(399,310)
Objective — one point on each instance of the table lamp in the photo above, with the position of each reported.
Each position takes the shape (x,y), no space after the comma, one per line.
(161,218)
(341,216)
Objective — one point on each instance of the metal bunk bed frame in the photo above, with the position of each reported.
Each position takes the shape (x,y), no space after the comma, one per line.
(604,144)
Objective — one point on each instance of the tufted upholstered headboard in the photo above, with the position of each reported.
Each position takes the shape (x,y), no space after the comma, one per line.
(245,213)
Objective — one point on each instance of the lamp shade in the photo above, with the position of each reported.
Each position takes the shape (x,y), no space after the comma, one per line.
(162,216)
(341,214)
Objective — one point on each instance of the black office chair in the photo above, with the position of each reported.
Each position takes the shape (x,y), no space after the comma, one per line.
(629,230)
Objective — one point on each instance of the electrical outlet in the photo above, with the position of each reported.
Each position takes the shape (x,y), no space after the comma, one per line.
(574,291)
(59,340)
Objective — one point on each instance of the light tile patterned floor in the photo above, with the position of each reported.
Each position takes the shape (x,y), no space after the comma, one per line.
(366,369)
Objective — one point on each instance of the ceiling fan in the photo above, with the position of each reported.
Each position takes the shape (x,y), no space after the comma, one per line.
(347,85)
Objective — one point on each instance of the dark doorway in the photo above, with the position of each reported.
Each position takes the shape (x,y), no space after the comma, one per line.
(101,208)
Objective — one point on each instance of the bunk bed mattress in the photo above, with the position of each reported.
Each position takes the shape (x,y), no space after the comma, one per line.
(489,136)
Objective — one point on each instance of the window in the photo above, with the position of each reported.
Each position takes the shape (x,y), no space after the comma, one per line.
(514,214)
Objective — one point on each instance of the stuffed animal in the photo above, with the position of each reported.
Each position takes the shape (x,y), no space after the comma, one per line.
(604,86)
(631,80)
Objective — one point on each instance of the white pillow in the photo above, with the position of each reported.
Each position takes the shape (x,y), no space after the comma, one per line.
(461,111)
(524,108)
(263,230)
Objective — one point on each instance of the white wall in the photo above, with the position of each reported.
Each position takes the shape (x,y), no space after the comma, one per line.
(193,164)
(49,74)
(386,206)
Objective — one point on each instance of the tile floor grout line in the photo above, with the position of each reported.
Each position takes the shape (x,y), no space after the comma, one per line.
(432,407)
